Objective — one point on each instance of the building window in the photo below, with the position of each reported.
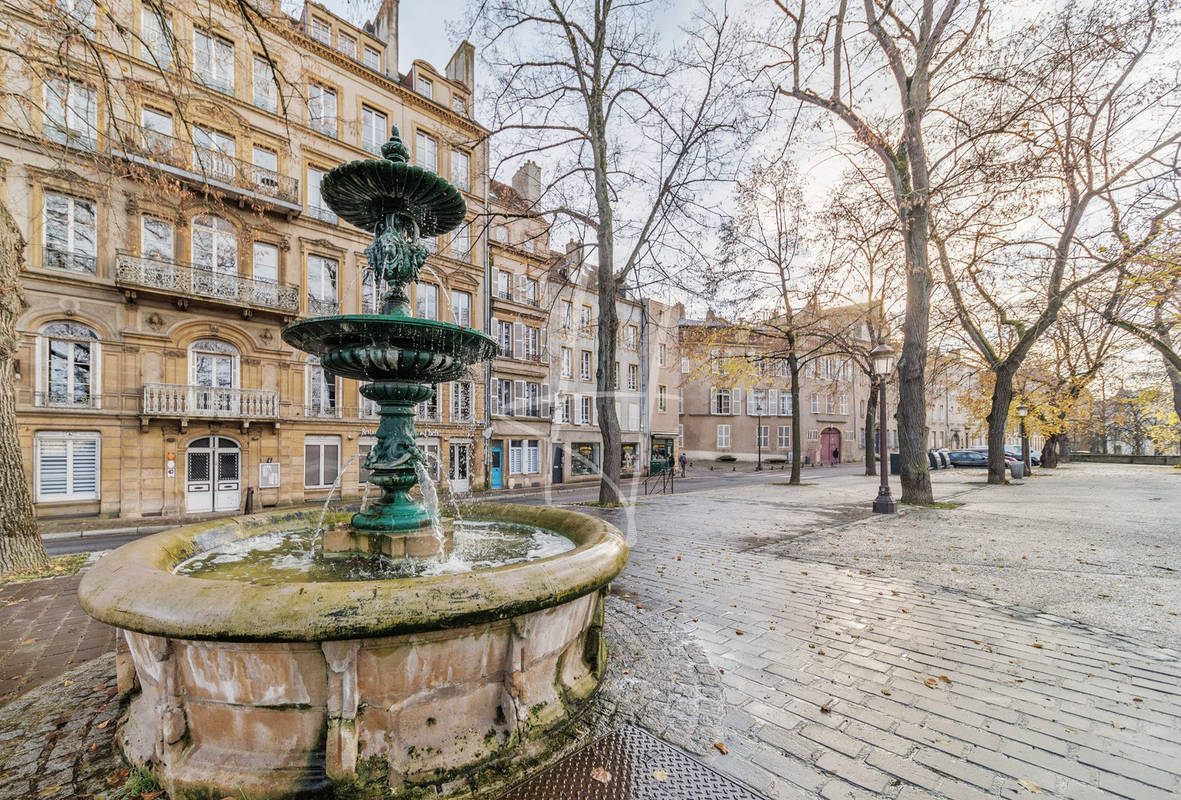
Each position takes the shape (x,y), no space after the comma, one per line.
(756,403)
(532,343)
(785,405)
(503,400)
(783,436)
(214,246)
(461,242)
(813,435)
(156,129)
(321,390)
(567,362)
(70,237)
(263,79)
(71,113)
(565,409)
(584,365)
(504,281)
(213,61)
(461,308)
(425,87)
(322,109)
(70,355)
(531,296)
(266,263)
(506,339)
(368,292)
(321,461)
(426,301)
(321,31)
(723,436)
(371,58)
(322,285)
(684,366)
(633,377)
(660,354)
(213,153)
(67,466)
(586,319)
(843,404)
(374,129)
(461,170)
(156,238)
(584,458)
(528,399)
(815,404)
(764,436)
(346,44)
(631,337)
(830,405)
(156,34)
(524,457)
(459,105)
(428,410)
(615,377)
(567,315)
(81,13)
(588,411)
(720,402)
(662,398)
(316,207)
(461,401)
(426,152)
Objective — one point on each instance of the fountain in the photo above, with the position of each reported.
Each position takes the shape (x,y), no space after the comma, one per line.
(279,655)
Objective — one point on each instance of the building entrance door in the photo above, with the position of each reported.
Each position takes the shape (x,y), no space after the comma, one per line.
(558,472)
(830,442)
(213,475)
(496,470)
(458,467)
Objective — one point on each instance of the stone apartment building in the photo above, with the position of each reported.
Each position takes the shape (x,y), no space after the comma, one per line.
(174,225)
(575,441)
(662,352)
(743,416)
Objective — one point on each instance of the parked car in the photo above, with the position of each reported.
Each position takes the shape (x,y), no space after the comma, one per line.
(984,450)
(1014,450)
(968,458)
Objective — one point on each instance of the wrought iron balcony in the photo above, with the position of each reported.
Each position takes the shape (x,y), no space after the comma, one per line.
(203,165)
(181,400)
(322,213)
(68,260)
(60,398)
(186,280)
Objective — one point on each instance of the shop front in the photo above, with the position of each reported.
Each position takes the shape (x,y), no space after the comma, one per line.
(584,459)
(663,452)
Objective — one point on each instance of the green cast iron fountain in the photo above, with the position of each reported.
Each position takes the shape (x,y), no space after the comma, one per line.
(399,356)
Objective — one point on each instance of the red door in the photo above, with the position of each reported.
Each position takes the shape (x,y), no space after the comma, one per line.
(830,440)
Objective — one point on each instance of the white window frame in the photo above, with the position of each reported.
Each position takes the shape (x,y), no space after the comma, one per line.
(783,437)
(262,79)
(323,109)
(462,395)
(220,75)
(70,438)
(586,370)
(44,375)
(426,151)
(461,169)
(73,228)
(723,436)
(567,362)
(328,404)
(321,442)
(461,313)
(371,58)
(374,129)
(764,433)
(426,301)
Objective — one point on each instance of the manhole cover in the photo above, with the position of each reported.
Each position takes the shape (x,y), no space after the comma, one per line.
(629,764)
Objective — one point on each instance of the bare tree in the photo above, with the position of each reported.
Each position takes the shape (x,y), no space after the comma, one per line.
(1075,180)
(634,135)
(841,60)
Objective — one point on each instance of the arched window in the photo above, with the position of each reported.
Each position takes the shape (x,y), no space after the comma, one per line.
(215,245)
(70,354)
(213,371)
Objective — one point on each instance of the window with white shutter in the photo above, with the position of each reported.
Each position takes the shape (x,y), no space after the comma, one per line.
(723,436)
(67,466)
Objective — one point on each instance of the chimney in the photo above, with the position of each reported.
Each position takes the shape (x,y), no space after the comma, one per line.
(462,66)
(385,28)
(527,182)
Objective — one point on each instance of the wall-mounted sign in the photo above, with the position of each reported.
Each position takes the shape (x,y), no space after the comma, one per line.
(268,476)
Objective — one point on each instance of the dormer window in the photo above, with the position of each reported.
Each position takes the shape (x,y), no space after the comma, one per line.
(425,87)
(321,31)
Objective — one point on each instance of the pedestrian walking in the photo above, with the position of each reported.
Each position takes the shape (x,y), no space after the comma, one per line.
(836,455)
(684,462)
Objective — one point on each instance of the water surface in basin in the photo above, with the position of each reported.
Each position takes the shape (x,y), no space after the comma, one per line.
(294,556)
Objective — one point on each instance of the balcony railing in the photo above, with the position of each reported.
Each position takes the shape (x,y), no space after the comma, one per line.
(62,399)
(68,260)
(175,277)
(180,400)
(204,164)
(322,213)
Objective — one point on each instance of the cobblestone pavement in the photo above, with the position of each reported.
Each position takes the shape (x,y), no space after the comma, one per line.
(843,683)
(44,632)
(57,741)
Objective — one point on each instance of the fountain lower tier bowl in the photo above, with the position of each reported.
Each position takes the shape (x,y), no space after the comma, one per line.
(374,347)
(292,689)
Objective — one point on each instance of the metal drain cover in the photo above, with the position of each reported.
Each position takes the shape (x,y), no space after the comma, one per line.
(638,767)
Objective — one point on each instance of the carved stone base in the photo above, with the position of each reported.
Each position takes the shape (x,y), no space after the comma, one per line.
(346,541)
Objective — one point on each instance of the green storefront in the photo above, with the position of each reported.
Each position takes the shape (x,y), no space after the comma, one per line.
(663,451)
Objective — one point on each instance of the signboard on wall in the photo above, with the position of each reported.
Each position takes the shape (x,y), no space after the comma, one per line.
(268,476)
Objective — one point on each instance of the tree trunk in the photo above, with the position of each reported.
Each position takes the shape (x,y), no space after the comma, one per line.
(607,391)
(998,422)
(796,450)
(1064,450)
(1050,451)
(912,395)
(20,543)
(871,414)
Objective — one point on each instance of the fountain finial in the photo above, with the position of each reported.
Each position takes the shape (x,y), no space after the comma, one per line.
(394,150)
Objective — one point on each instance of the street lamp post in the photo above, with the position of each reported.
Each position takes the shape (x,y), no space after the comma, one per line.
(1022,413)
(759,438)
(883,363)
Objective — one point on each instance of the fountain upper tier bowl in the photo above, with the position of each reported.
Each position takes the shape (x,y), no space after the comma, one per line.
(374,347)
(281,689)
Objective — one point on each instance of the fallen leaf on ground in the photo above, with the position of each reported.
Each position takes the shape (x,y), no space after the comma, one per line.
(660,775)
(601,775)
(1030,786)
(826,709)
(102,724)
(945,679)
(152,795)
(931,682)
(721,747)
(886,692)
(1038,646)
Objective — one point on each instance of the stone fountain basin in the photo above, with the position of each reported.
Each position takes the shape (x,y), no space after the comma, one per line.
(281,690)
(377,347)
